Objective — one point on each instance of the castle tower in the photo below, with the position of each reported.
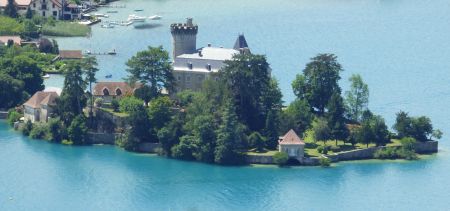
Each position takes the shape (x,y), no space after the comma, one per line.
(184,38)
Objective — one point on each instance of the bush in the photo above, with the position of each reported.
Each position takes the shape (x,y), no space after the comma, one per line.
(98,102)
(280,158)
(56,130)
(13,116)
(26,129)
(325,162)
(66,142)
(115,105)
(77,130)
(39,131)
(393,153)
(323,149)
(128,104)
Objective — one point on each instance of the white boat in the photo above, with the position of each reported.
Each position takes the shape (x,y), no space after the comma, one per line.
(136,18)
(46,76)
(154,17)
(101,15)
(126,23)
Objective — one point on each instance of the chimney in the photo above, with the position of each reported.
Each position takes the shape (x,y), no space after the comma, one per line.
(209,44)
(189,22)
(200,53)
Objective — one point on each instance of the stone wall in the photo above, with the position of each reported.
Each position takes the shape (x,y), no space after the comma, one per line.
(105,119)
(259,159)
(427,147)
(149,147)
(103,138)
(3,114)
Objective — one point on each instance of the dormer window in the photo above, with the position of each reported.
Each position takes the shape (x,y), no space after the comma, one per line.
(118,92)
(208,67)
(190,65)
(105,92)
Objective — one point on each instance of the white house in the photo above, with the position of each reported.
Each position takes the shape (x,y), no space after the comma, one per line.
(292,145)
(39,107)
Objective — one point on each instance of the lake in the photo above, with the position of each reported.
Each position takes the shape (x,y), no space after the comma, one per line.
(401,48)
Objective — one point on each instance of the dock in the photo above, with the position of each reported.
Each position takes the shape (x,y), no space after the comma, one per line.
(113,5)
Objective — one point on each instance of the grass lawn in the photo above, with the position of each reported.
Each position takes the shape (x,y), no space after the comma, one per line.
(119,114)
(66,29)
(265,152)
(311,147)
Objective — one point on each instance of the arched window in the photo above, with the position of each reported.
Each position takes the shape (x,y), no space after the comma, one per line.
(105,92)
(118,92)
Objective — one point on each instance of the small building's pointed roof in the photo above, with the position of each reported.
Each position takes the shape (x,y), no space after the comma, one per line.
(240,42)
(291,138)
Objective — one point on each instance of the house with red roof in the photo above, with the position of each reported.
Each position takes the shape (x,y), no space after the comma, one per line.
(113,90)
(292,145)
(40,106)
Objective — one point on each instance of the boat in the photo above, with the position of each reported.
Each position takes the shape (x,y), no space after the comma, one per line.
(46,76)
(108,76)
(101,15)
(107,26)
(136,18)
(112,11)
(113,52)
(154,17)
(138,10)
(88,52)
(126,23)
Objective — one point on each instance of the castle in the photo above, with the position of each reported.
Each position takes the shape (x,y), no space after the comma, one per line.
(191,65)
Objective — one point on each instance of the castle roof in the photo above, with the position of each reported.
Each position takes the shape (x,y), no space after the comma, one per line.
(291,138)
(209,59)
(240,42)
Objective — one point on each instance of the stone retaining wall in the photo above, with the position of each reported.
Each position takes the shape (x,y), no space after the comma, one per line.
(103,138)
(149,147)
(3,114)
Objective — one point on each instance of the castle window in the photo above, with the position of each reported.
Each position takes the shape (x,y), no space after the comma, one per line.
(118,92)
(190,65)
(200,78)
(179,78)
(105,92)
(208,67)
(188,78)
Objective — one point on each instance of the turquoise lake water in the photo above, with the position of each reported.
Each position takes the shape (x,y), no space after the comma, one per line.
(401,48)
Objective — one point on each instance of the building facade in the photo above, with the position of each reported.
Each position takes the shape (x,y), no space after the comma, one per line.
(113,90)
(292,145)
(40,106)
(191,65)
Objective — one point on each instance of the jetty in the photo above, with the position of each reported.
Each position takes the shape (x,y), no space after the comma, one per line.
(113,5)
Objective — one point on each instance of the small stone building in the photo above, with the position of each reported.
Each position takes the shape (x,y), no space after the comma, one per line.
(39,107)
(293,145)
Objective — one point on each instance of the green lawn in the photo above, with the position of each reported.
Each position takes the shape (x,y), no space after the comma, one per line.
(265,152)
(66,29)
(119,114)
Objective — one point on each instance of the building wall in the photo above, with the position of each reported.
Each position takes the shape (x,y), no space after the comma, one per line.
(45,8)
(31,114)
(295,150)
(189,80)
(183,43)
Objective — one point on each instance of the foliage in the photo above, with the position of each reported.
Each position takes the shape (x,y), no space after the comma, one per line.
(73,98)
(185,149)
(26,129)
(335,118)
(357,98)
(372,130)
(30,30)
(159,111)
(10,9)
(22,67)
(318,82)
(280,158)
(40,131)
(99,102)
(56,130)
(419,128)
(13,116)
(153,68)
(140,129)
(271,130)
(11,91)
(115,105)
(321,130)
(77,131)
(29,13)
(65,29)
(10,26)
(257,141)
(169,135)
(89,66)
(324,162)
(130,104)
(254,93)
(296,116)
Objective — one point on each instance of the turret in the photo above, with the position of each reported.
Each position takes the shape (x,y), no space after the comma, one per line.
(184,38)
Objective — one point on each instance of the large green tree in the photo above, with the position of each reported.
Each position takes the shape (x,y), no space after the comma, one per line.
(318,82)
(10,9)
(153,68)
(26,69)
(419,128)
(10,91)
(336,119)
(296,116)
(89,65)
(357,98)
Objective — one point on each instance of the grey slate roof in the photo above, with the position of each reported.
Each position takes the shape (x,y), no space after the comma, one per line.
(240,42)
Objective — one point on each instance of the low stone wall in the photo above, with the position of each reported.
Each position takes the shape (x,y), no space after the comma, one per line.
(259,159)
(427,147)
(3,114)
(149,147)
(103,138)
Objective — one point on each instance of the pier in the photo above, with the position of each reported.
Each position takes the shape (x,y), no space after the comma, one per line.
(113,5)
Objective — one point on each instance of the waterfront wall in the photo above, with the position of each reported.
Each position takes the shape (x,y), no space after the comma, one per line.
(107,122)
(3,114)
(267,159)
(149,147)
(103,138)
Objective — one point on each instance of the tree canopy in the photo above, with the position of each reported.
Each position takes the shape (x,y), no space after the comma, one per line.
(357,98)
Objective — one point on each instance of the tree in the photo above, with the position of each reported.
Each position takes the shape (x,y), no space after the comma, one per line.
(89,66)
(170,134)
(153,68)
(77,131)
(365,134)
(205,136)
(73,99)
(29,13)
(10,91)
(10,9)
(159,111)
(30,29)
(357,98)
(115,105)
(297,116)
(403,124)
(318,82)
(129,104)
(380,131)
(419,128)
(185,149)
(271,130)
(24,68)
(247,77)
(228,138)
(336,119)
(257,141)
(321,130)
(140,125)
(437,134)
(56,130)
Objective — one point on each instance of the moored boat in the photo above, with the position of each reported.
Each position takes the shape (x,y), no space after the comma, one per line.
(136,18)
(155,17)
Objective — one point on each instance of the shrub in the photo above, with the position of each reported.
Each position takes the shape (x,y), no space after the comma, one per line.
(280,158)
(324,162)
(98,102)
(56,130)
(77,130)
(115,105)
(13,116)
(39,131)
(26,129)
(323,149)
(128,104)
(66,142)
